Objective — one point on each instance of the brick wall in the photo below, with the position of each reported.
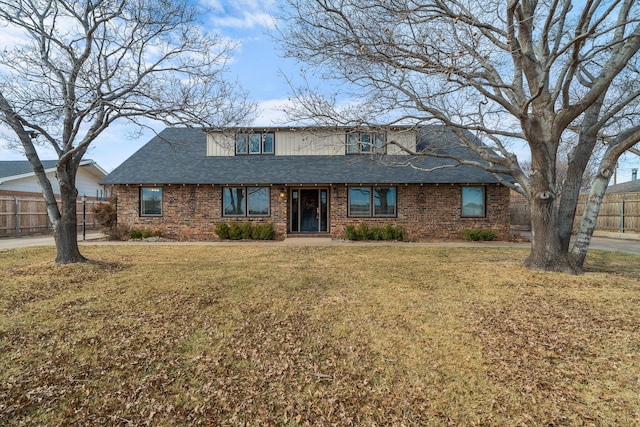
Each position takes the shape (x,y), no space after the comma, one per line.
(191,212)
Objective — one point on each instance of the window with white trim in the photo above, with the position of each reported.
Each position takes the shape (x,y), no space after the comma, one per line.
(366,143)
(255,143)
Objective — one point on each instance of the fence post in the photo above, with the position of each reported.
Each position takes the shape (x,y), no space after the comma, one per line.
(622,216)
(16,223)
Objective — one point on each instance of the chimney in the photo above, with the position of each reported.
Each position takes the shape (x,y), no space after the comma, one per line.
(634,174)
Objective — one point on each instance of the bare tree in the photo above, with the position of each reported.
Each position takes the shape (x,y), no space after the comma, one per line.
(503,72)
(80,66)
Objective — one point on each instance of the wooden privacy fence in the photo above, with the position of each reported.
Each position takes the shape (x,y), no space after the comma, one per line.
(618,213)
(28,215)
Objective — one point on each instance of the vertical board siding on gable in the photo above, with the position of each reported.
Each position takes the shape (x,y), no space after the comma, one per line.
(220,144)
(309,143)
(406,139)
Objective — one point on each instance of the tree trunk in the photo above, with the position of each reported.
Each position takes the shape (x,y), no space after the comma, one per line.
(66,230)
(591,210)
(546,249)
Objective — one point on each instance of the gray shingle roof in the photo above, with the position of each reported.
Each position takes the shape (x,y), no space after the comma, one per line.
(625,187)
(21,167)
(178,156)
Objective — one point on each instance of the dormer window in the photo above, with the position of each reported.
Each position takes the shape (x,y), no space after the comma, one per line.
(366,143)
(255,143)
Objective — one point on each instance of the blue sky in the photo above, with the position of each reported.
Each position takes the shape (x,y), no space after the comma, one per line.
(256,65)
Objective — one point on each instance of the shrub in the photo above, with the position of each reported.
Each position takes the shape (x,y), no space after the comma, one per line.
(136,234)
(264,231)
(350,232)
(362,231)
(245,230)
(478,234)
(146,233)
(222,230)
(235,232)
(375,233)
(106,214)
(119,232)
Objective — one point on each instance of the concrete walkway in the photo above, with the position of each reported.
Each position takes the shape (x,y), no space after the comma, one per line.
(94,238)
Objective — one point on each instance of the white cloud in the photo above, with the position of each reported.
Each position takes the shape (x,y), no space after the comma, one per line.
(241,14)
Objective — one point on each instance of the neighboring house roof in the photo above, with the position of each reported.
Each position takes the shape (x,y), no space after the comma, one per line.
(18,169)
(178,156)
(625,187)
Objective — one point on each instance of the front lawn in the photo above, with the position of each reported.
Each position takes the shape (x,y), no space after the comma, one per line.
(343,335)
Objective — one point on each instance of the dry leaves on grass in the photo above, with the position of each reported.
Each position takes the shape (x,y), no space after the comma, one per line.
(259,335)
(542,347)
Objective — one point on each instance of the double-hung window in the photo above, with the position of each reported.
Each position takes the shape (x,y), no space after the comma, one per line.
(372,201)
(255,143)
(150,201)
(473,202)
(366,143)
(245,201)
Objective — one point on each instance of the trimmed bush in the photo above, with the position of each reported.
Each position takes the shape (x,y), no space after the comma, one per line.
(363,232)
(136,234)
(146,233)
(222,230)
(350,232)
(478,234)
(247,230)
(235,232)
(264,231)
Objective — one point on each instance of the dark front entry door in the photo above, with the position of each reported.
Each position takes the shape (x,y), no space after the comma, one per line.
(309,210)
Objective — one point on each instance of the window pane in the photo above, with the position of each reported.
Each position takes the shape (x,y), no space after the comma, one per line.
(384,201)
(365,140)
(473,202)
(360,201)
(379,143)
(254,143)
(233,199)
(151,201)
(258,201)
(267,143)
(352,143)
(241,144)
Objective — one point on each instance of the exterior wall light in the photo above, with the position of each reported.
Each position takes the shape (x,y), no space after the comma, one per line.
(283,193)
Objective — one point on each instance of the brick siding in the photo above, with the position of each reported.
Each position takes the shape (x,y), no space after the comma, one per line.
(425,212)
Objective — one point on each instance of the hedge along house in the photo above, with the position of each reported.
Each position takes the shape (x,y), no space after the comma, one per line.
(306,181)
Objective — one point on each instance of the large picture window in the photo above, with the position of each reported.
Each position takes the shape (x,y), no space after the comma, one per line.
(245,201)
(150,201)
(366,143)
(473,202)
(255,143)
(372,201)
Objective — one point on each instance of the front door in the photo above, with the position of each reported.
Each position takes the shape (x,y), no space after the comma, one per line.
(309,210)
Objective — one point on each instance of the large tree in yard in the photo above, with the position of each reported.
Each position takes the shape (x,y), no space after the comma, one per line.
(507,73)
(75,67)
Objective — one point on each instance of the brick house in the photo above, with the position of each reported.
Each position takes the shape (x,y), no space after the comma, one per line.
(306,181)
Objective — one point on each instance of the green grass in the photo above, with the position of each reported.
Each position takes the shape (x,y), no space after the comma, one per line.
(268,335)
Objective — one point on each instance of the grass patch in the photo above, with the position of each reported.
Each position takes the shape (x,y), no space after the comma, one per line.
(257,335)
